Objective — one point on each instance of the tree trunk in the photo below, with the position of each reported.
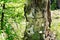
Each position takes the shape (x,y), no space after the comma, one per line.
(2,16)
(58,3)
(38,19)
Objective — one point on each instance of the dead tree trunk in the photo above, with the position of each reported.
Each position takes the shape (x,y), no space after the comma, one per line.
(38,19)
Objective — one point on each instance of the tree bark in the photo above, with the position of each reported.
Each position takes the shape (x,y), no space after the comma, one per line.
(38,19)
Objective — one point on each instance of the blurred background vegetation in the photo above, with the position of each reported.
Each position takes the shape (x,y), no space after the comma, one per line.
(14,21)
(55,15)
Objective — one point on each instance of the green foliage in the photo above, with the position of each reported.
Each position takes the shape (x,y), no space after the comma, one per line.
(0,31)
(37,36)
(9,33)
(54,5)
(13,14)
